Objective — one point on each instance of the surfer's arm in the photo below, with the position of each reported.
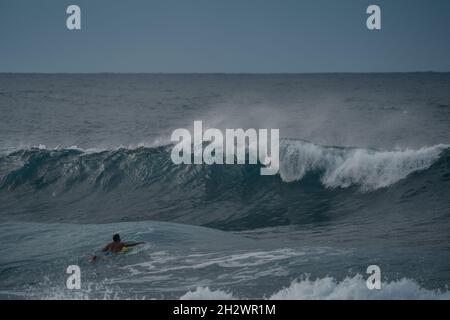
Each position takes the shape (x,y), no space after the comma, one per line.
(132,244)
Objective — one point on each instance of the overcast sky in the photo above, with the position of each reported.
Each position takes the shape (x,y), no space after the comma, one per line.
(224,36)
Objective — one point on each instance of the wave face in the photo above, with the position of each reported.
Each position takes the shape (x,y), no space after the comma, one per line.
(314,183)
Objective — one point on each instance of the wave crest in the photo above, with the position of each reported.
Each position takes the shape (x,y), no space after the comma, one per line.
(341,168)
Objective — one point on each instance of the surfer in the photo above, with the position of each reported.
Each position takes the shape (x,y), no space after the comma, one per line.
(116,246)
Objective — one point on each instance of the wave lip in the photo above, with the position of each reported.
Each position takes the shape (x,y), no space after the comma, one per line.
(367,169)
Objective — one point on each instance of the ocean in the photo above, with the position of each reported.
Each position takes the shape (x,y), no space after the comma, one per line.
(364,180)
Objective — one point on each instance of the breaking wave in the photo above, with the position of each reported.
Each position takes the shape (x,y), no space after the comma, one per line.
(343,168)
(141,183)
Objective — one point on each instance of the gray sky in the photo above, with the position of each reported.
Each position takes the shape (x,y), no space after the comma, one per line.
(224,36)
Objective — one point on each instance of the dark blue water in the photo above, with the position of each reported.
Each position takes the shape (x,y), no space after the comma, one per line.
(364,179)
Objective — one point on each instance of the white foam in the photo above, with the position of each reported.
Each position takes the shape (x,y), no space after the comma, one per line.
(204,293)
(367,169)
(355,289)
(328,288)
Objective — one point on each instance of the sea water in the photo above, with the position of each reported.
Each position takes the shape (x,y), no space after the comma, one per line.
(364,179)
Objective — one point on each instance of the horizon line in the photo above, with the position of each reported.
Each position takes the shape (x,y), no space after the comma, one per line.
(223,73)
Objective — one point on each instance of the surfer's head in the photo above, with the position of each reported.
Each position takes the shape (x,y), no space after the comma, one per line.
(116,237)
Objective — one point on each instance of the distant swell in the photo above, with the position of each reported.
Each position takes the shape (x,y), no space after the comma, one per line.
(40,184)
